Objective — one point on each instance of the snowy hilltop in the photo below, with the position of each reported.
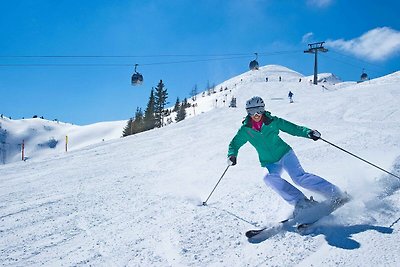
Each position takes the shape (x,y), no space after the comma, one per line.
(41,137)
(136,201)
(270,76)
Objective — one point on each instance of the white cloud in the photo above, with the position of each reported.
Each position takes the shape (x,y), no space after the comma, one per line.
(307,37)
(319,3)
(376,45)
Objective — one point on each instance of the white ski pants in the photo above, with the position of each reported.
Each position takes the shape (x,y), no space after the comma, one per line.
(290,163)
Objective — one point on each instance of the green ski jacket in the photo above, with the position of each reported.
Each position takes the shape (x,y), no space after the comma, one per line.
(269,145)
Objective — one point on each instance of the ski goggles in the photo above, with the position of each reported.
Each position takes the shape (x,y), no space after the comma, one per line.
(255,110)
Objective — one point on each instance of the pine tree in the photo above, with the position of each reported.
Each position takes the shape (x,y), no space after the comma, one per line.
(185,103)
(134,125)
(208,88)
(177,105)
(128,128)
(138,124)
(160,100)
(181,115)
(194,92)
(149,120)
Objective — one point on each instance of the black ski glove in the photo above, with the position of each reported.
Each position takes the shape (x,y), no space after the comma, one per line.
(314,135)
(232,160)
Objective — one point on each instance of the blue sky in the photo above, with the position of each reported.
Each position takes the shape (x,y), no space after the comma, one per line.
(219,39)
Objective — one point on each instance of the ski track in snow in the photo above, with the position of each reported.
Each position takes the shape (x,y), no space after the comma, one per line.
(137,201)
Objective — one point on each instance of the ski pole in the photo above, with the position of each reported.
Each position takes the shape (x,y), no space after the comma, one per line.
(205,202)
(360,158)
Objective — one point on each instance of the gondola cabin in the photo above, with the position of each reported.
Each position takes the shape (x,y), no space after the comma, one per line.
(254,65)
(137,79)
(364,76)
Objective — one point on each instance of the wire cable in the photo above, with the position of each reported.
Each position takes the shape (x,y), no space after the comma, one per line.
(355,58)
(379,72)
(215,57)
(112,64)
(146,56)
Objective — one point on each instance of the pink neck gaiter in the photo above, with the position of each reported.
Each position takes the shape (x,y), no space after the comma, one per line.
(256,125)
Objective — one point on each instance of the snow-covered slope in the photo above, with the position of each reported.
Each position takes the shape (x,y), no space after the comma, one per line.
(43,138)
(270,77)
(134,201)
(324,78)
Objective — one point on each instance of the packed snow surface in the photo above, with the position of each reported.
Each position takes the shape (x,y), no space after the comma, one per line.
(136,201)
(41,137)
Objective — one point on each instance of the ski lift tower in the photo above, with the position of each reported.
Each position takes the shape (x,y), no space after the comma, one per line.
(313,49)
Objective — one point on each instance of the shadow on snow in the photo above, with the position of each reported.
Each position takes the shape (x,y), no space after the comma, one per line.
(342,236)
(336,235)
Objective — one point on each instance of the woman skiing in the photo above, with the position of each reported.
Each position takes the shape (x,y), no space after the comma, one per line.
(262,129)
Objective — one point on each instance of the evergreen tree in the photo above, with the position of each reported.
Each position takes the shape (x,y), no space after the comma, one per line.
(208,88)
(128,128)
(194,92)
(185,103)
(138,124)
(134,125)
(149,120)
(177,105)
(160,100)
(181,115)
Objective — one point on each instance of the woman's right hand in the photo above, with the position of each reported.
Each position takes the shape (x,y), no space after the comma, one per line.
(232,160)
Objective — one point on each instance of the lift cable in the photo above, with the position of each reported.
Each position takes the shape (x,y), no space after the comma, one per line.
(380,71)
(147,56)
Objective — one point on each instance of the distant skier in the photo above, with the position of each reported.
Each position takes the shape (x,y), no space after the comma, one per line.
(290,95)
(261,129)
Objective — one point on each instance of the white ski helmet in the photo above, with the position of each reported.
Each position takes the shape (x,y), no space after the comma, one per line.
(255,102)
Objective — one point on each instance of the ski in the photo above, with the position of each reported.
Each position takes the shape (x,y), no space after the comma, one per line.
(300,223)
(303,226)
(267,231)
(251,233)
